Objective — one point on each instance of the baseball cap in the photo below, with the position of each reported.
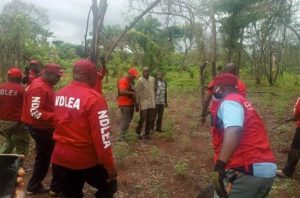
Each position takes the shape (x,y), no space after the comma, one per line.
(225,79)
(133,72)
(85,66)
(14,72)
(53,68)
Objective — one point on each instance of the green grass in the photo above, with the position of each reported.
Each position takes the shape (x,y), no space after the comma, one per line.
(155,153)
(288,186)
(181,168)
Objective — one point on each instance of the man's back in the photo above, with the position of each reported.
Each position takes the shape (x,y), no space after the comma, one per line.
(254,145)
(38,104)
(81,128)
(11,101)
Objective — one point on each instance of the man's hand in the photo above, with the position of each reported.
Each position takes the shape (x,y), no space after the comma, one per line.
(112,175)
(137,108)
(217,176)
(290,119)
(20,188)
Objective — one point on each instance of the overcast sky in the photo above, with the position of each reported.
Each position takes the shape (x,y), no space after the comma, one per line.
(68,17)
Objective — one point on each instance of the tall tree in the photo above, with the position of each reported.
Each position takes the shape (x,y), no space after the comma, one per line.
(23,34)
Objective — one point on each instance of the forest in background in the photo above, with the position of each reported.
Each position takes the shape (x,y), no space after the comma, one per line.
(262,37)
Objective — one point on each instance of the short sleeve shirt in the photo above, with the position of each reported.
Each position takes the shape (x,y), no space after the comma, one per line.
(124,100)
(231,114)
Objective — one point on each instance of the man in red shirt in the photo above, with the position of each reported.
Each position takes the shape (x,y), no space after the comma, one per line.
(242,153)
(38,115)
(82,150)
(294,154)
(126,100)
(11,102)
(230,68)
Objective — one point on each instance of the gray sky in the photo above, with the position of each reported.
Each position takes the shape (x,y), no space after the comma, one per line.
(68,17)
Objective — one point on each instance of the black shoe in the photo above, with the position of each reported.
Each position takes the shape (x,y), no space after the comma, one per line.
(159,130)
(139,136)
(40,191)
(55,193)
(147,137)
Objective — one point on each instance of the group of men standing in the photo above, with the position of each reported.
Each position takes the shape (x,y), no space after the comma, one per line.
(148,96)
(71,128)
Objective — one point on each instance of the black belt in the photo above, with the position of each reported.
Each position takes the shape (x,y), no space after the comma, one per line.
(248,169)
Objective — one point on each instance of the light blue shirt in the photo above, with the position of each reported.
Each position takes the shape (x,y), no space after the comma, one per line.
(232,115)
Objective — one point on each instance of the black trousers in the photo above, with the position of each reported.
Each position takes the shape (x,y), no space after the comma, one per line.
(159,112)
(294,155)
(146,115)
(73,181)
(126,117)
(44,145)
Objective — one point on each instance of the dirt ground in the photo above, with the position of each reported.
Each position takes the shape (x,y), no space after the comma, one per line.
(177,163)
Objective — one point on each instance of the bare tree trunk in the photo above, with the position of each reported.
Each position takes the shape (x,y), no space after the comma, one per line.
(240,52)
(86,33)
(114,45)
(98,17)
(213,40)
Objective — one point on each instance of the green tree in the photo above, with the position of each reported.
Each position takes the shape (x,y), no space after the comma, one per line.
(23,34)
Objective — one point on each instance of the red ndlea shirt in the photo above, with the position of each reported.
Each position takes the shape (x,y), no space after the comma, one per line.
(82,128)
(100,76)
(297,111)
(11,101)
(123,84)
(254,144)
(38,105)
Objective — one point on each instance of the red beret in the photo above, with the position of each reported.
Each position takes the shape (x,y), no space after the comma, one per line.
(14,72)
(225,79)
(133,72)
(53,68)
(85,66)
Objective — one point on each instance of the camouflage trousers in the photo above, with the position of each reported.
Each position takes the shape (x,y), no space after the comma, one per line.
(16,138)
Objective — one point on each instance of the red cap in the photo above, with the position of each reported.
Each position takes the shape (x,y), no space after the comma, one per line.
(53,68)
(225,79)
(133,72)
(14,73)
(85,66)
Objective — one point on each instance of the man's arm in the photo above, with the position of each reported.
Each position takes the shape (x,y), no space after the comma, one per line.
(230,143)
(38,99)
(138,90)
(123,87)
(296,115)
(100,131)
(166,95)
(124,92)
(232,116)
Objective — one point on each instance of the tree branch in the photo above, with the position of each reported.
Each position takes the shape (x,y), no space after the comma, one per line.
(152,5)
